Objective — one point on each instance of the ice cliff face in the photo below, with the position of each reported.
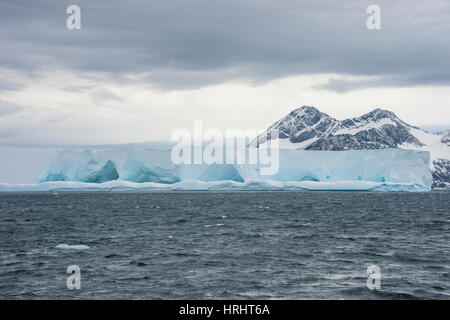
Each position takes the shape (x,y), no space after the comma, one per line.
(384,170)
(309,129)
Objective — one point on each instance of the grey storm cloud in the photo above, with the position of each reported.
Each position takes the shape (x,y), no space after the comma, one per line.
(191,43)
(9,108)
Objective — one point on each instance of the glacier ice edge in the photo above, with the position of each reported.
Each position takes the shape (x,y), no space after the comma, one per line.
(123,186)
(146,169)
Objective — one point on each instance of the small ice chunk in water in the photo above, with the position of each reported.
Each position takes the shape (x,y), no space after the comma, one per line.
(72,247)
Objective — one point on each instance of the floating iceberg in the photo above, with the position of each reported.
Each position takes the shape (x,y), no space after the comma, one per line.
(64,246)
(141,168)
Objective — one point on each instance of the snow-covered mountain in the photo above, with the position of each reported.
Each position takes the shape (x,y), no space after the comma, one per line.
(309,129)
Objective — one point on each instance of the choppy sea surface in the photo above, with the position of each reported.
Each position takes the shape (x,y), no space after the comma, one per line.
(225,245)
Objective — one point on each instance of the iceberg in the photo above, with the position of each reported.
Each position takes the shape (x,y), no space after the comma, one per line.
(146,169)
(64,246)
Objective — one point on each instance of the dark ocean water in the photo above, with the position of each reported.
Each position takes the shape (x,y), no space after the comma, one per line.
(225,245)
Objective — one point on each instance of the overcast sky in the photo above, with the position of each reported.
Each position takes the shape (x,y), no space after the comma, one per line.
(136,70)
